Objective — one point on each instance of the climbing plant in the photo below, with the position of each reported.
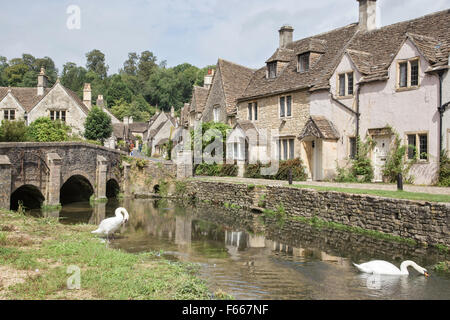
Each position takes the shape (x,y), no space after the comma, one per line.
(397,161)
(444,170)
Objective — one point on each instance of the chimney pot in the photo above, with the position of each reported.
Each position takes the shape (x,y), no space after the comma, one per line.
(42,82)
(367,15)
(286,35)
(87,95)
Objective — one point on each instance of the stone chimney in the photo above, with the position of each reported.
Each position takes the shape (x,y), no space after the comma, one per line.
(172,112)
(367,15)
(100,101)
(87,95)
(208,79)
(42,82)
(286,35)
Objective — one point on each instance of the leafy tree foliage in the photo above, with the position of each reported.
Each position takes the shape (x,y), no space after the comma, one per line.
(98,125)
(13,131)
(118,90)
(45,130)
(96,63)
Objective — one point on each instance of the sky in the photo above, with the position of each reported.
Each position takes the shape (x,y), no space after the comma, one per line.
(193,31)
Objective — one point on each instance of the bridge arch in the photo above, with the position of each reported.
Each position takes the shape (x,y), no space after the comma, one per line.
(77,188)
(112,188)
(29,195)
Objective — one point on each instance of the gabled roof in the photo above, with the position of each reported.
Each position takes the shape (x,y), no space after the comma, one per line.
(282,54)
(199,96)
(235,78)
(319,127)
(139,127)
(27,97)
(330,45)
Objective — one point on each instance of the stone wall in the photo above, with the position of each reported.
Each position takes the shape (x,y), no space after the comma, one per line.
(422,221)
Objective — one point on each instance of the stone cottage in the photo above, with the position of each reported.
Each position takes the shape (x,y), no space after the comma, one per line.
(160,131)
(314,96)
(57,103)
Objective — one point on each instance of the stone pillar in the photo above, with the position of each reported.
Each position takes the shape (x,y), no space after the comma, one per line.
(53,188)
(126,178)
(102,169)
(5,182)
(184,164)
(241,168)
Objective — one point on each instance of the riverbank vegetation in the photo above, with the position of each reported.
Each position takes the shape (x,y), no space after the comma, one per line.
(35,254)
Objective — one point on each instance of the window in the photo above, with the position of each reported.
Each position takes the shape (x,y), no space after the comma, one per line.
(286,149)
(285,106)
(250,111)
(216,111)
(272,69)
(58,115)
(303,62)
(408,73)
(346,84)
(418,146)
(255,105)
(411,146)
(9,114)
(352,142)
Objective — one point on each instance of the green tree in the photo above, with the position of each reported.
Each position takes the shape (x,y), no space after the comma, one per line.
(3,66)
(15,73)
(13,131)
(73,77)
(45,130)
(130,66)
(98,125)
(117,90)
(96,63)
(146,66)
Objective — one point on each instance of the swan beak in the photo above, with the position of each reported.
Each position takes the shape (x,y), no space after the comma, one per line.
(426,274)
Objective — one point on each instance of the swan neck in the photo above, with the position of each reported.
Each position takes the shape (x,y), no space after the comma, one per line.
(404,267)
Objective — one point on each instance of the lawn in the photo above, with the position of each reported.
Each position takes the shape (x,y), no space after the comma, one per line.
(35,254)
(383,193)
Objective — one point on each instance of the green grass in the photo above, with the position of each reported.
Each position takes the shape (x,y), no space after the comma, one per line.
(383,193)
(105,273)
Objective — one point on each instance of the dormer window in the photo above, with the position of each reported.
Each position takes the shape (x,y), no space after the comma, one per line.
(303,62)
(272,70)
(408,73)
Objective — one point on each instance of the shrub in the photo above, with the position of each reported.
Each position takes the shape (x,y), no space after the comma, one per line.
(345,175)
(98,125)
(396,161)
(13,131)
(45,130)
(444,170)
(205,169)
(298,170)
(229,170)
(362,165)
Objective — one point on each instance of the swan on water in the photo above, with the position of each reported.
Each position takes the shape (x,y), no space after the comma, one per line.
(109,226)
(386,268)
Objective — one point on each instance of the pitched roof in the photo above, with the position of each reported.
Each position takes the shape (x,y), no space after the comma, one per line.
(430,34)
(235,79)
(27,97)
(330,45)
(199,95)
(319,127)
(139,127)
(121,131)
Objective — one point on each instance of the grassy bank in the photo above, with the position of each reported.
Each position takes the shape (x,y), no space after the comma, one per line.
(35,254)
(384,193)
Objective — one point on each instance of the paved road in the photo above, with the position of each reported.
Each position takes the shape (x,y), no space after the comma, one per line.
(373,186)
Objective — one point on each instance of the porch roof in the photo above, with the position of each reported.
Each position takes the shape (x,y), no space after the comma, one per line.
(319,127)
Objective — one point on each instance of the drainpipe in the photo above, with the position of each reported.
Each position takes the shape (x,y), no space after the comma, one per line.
(356,113)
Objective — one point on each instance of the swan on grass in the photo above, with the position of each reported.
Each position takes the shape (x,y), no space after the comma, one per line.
(386,268)
(109,226)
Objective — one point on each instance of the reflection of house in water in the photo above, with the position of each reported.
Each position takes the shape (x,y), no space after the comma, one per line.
(183,230)
(236,240)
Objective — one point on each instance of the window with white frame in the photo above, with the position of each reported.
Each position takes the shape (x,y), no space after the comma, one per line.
(58,115)
(216,113)
(346,84)
(239,151)
(408,73)
(286,149)
(417,146)
(285,106)
(9,114)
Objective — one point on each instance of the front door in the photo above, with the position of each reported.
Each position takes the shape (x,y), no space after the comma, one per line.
(381,152)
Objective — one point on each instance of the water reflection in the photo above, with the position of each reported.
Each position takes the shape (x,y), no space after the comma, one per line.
(295,262)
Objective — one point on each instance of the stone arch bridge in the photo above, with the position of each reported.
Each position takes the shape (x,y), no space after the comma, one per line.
(52,173)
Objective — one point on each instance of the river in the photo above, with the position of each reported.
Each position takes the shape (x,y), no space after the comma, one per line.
(242,257)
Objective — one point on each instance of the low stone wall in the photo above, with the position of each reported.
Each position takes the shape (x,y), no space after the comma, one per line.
(422,221)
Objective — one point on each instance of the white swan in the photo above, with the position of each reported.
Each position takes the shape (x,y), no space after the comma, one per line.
(111,225)
(386,268)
